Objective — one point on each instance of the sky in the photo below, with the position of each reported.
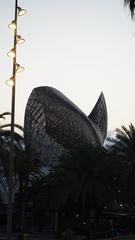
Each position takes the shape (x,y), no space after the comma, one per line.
(80,47)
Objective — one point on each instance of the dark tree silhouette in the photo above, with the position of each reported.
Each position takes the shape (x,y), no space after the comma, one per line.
(124,150)
(131,5)
(25,166)
(83,177)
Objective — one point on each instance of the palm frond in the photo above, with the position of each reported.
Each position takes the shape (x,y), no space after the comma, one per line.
(2,115)
(131,5)
(9,125)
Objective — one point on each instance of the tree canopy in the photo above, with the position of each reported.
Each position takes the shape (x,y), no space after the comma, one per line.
(131,5)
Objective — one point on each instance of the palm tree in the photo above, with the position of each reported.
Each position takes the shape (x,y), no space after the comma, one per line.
(4,126)
(131,5)
(5,147)
(124,149)
(124,143)
(85,183)
(25,165)
(82,182)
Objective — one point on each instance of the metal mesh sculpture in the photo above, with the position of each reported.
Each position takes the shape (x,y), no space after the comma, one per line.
(54,125)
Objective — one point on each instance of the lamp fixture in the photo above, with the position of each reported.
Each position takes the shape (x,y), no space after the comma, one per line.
(12,25)
(10,82)
(11,53)
(19,39)
(19,68)
(21,11)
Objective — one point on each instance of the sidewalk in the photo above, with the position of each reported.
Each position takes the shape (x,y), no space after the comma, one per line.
(32,237)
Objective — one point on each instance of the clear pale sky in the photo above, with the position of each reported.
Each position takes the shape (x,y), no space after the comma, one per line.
(81,47)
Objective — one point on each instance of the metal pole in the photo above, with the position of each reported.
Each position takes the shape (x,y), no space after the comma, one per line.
(11,157)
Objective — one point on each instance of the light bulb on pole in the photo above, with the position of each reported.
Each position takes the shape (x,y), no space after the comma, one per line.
(12,53)
(19,39)
(19,68)
(10,82)
(21,11)
(12,25)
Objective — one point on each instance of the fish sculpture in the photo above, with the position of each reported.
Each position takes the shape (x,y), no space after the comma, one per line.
(55,125)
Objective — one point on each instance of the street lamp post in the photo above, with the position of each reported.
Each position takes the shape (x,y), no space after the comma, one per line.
(12,82)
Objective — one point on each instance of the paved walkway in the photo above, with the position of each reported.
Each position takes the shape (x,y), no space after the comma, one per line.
(31,237)
(50,237)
